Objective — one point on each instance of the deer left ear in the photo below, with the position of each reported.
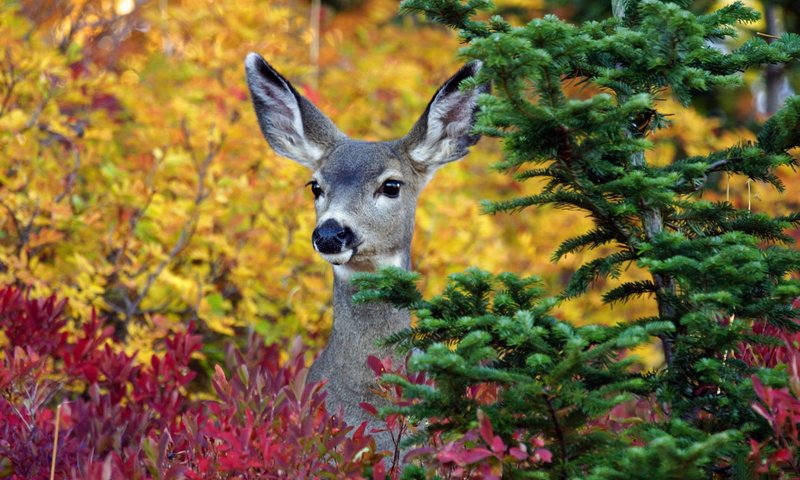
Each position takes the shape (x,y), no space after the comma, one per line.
(444,132)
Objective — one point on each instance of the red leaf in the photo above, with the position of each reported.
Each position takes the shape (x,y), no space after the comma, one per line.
(379,471)
(782,455)
(391,422)
(311,93)
(376,365)
(359,433)
(369,408)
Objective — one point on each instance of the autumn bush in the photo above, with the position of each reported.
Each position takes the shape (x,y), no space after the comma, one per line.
(70,399)
(778,401)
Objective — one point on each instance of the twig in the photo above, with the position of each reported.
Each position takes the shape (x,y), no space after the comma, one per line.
(55,444)
(767,35)
(133,222)
(773,76)
(315,14)
(23,233)
(21,417)
(7,96)
(26,233)
(396,456)
(728,189)
(69,181)
(559,434)
(37,112)
(748,195)
(14,220)
(13,76)
(183,239)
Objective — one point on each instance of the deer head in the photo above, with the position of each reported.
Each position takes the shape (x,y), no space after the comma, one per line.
(365,193)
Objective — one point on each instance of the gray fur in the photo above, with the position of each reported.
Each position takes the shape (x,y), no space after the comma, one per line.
(351,174)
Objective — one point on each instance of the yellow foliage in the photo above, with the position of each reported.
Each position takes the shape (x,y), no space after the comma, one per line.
(134,179)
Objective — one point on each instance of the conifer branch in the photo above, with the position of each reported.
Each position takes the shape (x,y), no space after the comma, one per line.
(562,444)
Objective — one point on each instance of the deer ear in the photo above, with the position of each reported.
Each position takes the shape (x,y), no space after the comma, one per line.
(444,132)
(292,125)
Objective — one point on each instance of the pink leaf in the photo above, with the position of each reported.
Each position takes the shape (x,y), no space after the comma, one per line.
(761,411)
(391,422)
(473,455)
(359,433)
(543,454)
(448,456)
(498,446)
(417,452)
(519,453)
(486,427)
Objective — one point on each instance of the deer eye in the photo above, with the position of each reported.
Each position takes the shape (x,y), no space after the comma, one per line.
(391,188)
(315,189)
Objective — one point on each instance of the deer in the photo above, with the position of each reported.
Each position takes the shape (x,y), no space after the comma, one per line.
(365,197)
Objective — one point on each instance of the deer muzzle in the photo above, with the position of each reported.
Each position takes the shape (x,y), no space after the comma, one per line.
(335,242)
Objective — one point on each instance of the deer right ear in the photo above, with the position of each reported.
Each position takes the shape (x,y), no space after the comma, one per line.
(292,125)
(444,132)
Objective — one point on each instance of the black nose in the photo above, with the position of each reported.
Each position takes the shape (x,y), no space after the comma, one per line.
(332,237)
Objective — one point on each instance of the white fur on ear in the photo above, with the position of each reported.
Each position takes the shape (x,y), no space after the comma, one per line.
(277,106)
(450,119)
(444,133)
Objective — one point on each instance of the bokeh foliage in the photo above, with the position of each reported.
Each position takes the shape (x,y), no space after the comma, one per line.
(134,181)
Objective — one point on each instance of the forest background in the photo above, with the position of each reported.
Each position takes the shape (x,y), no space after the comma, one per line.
(134,180)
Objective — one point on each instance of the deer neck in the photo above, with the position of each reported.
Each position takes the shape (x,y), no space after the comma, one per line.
(357,327)
(343,363)
(368,321)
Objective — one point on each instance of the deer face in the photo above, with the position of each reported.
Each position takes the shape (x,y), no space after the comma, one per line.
(365,193)
(365,197)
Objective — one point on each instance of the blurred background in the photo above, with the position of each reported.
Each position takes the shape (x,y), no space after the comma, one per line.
(135,182)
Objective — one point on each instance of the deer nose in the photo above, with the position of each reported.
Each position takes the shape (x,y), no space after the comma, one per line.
(331,237)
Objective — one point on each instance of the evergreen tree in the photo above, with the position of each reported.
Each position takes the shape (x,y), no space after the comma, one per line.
(714,268)
(553,378)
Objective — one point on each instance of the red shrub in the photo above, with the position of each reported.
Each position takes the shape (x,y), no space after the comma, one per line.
(781,408)
(32,323)
(779,454)
(122,419)
(478,453)
(267,421)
